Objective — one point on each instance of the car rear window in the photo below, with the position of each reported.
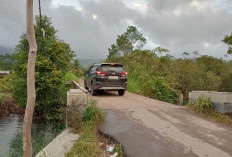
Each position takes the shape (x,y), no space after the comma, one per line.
(115,68)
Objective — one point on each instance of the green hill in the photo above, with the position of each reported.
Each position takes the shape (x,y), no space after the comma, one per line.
(4,50)
(85,63)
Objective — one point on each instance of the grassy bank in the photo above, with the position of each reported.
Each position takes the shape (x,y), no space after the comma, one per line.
(213,115)
(90,143)
(203,107)
(69,76)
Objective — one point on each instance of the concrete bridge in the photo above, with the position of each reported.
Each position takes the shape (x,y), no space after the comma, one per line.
(151,128)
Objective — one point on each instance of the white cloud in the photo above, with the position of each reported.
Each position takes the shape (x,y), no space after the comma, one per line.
(177,12)
(141,6)
(206,45)
(199,5)
(94,16)
(73,3)
(80,9)
(91,26)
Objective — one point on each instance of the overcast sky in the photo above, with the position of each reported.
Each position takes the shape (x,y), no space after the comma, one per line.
(91,26)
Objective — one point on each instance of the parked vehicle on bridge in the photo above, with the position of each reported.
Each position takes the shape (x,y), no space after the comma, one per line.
(106,76)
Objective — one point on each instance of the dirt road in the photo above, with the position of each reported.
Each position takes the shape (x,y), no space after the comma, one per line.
(150,128)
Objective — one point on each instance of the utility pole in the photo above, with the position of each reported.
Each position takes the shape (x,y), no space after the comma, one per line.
(31,95)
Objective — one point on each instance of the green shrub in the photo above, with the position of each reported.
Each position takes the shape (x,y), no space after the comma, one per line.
(20,91)
(205,102)
(203,105)
(69,76)
(6,83)
(93,113)
(162,90)
(52,62)
(87,144)
(2,98)
(204,108)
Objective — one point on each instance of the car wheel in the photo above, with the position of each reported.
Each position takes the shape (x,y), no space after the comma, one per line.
(121,92)
(85,86)
(93,91)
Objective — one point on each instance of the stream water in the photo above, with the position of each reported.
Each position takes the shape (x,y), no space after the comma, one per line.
(11,135)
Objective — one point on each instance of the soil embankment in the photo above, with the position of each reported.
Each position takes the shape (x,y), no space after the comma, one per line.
(9,106)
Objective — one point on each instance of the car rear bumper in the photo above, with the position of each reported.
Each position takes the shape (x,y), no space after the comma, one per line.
(111,88)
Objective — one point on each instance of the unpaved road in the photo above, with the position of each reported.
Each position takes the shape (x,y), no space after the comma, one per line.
(149,128)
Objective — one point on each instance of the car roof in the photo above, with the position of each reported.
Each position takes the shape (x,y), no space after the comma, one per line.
(99,64)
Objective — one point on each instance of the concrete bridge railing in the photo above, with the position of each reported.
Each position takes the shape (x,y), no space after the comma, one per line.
(221,101)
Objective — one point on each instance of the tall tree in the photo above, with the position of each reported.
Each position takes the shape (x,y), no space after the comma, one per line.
(228,40)
(113,52)
(160,50)
(52,62)
(127,42)
(31,95)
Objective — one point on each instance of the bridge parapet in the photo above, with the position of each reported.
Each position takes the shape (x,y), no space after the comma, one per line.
(221,101)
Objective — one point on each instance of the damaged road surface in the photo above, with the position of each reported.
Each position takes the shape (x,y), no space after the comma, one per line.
(150,128)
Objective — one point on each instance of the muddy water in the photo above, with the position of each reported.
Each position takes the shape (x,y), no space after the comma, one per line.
(11,135)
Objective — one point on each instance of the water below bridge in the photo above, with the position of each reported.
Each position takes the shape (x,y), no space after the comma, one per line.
(11,135)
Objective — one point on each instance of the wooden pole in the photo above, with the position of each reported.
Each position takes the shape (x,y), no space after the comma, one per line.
(31,95)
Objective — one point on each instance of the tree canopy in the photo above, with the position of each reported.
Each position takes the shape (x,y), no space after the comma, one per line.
(157,74)
(228,40)
(7,61)
(127,42)
(52,62)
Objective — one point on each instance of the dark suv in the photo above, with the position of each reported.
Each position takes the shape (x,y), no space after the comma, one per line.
(106,76)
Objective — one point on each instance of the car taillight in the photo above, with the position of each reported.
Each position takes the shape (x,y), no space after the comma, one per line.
(101,73)
(124,74)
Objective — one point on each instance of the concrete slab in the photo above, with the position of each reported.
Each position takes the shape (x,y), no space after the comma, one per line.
(60,145)
(76,97)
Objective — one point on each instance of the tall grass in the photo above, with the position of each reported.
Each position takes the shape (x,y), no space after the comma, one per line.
(69,76)
(87,145)
(2,98)
(42,134)
(203,107)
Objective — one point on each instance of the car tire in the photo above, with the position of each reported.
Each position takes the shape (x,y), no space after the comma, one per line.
(93,91)
(121,92)
(85,86)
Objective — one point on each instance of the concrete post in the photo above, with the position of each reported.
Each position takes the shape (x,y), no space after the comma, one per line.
(78,99)
(180,99)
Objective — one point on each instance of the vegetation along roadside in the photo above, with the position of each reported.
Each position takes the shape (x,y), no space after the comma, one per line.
(157,74)
(203,107)
(91,142)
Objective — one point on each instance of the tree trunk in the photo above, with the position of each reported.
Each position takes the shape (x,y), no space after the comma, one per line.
(31,96)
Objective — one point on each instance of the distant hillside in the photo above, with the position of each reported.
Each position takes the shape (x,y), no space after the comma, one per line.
(4,50)
(85,63)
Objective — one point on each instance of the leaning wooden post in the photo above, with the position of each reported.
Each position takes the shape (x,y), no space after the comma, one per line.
(31,96)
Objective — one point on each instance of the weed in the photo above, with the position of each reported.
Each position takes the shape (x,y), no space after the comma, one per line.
(69,76)
(204,108)
(6,83)
(118,148)
(2,98)
(93,114)
(87,145)
(203,105)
